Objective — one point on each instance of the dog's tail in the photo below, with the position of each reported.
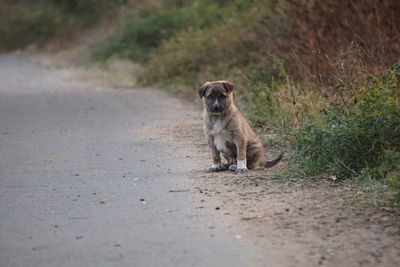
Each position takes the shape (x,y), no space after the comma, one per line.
(269,164)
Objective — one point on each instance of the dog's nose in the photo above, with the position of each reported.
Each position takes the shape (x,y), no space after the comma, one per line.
(216,105)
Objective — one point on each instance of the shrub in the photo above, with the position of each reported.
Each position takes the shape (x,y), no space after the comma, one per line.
(141,33)
(273,97)
(194,54)
(307,35)
(359,137)
(20,26)
(344,144)
(389,170)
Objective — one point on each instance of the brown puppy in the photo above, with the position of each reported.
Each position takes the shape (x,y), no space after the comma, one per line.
(228,133)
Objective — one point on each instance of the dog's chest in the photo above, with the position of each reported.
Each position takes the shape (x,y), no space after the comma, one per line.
(220,135)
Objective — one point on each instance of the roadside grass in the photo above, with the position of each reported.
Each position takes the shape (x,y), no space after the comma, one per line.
(357,137)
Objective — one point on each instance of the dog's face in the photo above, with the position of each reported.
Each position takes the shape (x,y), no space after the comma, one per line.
(217,96)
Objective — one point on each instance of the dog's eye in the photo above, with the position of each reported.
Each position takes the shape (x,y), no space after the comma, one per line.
(223,96)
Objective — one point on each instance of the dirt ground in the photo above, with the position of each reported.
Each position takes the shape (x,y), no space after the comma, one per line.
(302,222)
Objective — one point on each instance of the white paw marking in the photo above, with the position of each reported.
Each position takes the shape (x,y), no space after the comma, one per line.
(241,164)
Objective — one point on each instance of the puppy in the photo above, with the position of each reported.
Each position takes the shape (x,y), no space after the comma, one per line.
(228,133)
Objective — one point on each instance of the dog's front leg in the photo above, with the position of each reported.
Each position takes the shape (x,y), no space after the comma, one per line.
(241,146)
(217,166)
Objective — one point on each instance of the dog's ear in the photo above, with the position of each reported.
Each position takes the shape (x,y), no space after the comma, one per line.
(203,89)
(228,86)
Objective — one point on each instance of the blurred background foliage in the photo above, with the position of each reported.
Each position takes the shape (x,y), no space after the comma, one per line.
(322,74)
(27,22)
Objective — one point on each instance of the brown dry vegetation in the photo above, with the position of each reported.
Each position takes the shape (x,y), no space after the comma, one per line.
(312,34)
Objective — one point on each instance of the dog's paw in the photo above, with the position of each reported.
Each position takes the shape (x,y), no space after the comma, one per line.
(241,166)
(232,168)
(217,168)
(241,170)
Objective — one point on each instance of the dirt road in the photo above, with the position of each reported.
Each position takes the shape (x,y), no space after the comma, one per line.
(98,176)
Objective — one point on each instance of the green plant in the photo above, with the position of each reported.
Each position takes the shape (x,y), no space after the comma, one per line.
(345,144)
(196,53)
(388,171)
(273,100)
(139,36)
(142,33)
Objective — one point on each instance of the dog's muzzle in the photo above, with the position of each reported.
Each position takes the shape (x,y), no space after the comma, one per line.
(216,107)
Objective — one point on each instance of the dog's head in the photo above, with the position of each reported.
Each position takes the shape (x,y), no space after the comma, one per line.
(217,96)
